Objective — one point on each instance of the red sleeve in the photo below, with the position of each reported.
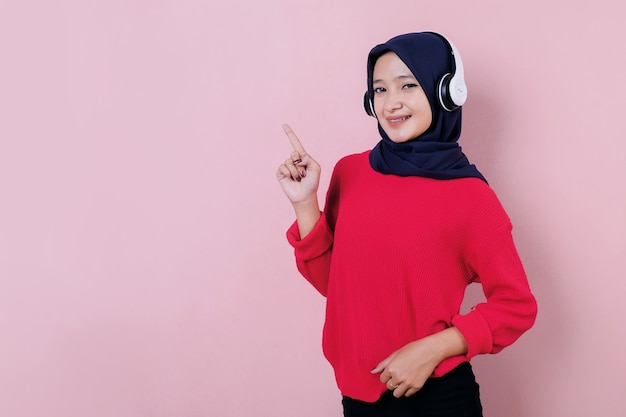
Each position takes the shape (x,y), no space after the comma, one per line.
(313,253)
(510,308)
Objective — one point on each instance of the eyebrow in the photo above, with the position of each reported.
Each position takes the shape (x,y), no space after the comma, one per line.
(399,77)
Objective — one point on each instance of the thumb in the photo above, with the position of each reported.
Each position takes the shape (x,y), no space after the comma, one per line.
(381,366)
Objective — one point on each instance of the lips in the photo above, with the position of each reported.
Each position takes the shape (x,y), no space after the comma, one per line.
(398,119)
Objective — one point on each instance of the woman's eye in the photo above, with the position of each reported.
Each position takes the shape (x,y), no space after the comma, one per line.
(408,86)
(379,90)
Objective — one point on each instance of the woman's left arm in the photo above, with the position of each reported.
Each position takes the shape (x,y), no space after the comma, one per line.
(509,310)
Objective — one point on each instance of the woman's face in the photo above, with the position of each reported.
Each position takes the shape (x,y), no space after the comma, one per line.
(401,105)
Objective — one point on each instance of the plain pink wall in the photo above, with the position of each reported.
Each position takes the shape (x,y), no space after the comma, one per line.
(143,265)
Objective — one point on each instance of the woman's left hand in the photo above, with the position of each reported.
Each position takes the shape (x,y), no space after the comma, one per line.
(406,370)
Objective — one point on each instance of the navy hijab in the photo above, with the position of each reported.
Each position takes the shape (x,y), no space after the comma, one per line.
(435,153)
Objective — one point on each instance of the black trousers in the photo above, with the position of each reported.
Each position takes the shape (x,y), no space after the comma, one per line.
(455,394)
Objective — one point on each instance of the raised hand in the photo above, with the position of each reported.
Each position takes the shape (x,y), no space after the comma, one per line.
(299,175)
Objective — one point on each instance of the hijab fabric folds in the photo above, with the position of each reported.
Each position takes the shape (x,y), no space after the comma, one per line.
(436,153)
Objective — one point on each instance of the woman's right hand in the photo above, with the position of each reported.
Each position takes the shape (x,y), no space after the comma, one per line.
(299,175)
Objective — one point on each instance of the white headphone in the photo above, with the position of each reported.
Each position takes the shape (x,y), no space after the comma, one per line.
(452,91)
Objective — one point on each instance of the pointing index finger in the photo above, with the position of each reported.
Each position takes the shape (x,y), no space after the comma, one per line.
(295,142)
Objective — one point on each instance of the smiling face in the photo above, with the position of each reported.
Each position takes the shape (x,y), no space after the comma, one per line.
(400,104)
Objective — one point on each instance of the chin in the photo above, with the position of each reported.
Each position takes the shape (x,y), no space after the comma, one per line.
(397,136)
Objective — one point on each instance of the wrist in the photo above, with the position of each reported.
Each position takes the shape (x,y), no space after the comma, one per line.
(307,214)
(449,342)
(308,203)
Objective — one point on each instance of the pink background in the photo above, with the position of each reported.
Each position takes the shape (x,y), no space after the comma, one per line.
(143,265)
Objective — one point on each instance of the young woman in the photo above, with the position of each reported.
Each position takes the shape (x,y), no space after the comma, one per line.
(405,228)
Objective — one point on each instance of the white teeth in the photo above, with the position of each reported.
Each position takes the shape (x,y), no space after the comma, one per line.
(398,119)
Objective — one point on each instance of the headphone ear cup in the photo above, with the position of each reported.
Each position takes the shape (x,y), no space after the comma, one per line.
(368,105)
(443,92)
(457,91)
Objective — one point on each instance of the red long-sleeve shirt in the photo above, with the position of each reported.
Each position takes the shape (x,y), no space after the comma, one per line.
(393,255)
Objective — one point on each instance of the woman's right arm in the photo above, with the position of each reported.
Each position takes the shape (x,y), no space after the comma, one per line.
(310,236)
(299,177)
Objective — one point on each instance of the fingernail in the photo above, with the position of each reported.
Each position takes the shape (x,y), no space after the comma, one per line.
(297,161)
(303,174)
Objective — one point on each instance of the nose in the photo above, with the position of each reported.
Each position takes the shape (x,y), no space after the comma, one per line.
(392,101)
